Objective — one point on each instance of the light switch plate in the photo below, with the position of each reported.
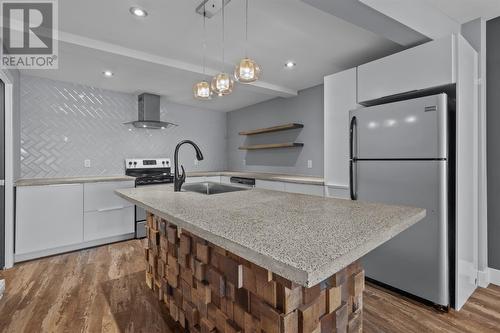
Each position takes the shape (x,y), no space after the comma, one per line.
(309,164)
(86,163)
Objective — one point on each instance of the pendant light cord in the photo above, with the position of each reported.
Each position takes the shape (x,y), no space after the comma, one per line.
(246,28)
(223,36)
(204,39)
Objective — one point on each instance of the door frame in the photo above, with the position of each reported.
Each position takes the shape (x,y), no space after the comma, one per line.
(8,81)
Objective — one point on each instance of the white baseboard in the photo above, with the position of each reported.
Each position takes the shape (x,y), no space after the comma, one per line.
(483,278)
(494,276)
(69,248)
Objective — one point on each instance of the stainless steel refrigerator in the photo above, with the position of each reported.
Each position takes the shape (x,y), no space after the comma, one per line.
(399,155)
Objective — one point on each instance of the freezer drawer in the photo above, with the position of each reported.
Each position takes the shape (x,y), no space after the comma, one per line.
(415,261)
(415,129)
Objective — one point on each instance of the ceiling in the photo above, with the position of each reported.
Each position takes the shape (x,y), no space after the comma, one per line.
(465,10)
(162,53)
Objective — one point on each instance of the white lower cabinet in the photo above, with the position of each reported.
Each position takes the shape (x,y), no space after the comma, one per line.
(106,214)
(102,196)
(270,185)
(225,180)
(48,217)
(317,190)
(215,179)
(108,223)
(340,192)
(52,219)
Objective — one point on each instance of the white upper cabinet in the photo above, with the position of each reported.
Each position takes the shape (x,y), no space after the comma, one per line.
(340,98)
(428,65)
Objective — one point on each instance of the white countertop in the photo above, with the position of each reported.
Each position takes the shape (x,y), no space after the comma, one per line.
(303,238)
(281,177)
(70,180)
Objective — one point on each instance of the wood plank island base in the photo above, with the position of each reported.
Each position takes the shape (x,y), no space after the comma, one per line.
(208,289)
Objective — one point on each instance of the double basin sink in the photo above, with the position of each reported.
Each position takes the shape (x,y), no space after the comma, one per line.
(210,188)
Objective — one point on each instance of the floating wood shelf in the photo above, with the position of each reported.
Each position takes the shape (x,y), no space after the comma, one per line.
(272,146)
(272,129)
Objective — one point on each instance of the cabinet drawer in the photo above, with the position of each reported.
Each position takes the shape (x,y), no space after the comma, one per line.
(270,185)
(317,190)
(109,223)
(102,196)
(48,217)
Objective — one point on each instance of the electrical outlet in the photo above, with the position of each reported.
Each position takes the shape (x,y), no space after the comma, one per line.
(309,164)
(86,163)
(196,162)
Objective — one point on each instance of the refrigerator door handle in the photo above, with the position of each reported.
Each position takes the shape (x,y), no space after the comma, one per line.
(352,158)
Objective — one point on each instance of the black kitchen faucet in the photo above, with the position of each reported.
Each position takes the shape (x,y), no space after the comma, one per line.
(180,178)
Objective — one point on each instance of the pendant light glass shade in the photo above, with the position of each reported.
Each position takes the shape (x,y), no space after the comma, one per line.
(222,84)
(247,71)
(202,90)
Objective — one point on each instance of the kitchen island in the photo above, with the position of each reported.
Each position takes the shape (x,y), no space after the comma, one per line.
(260,260)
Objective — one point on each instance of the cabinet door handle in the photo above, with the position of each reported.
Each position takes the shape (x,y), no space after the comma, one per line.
(110,209)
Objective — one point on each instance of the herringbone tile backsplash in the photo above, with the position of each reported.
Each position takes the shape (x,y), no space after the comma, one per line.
(62,124)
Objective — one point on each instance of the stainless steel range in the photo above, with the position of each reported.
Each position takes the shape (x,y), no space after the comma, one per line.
(147,172)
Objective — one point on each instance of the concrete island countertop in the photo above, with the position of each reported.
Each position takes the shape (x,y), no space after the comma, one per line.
(303,238)
(70,180)
(278,177)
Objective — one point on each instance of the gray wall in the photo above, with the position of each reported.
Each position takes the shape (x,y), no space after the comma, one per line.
(306,108)
(493,140)
(62,124)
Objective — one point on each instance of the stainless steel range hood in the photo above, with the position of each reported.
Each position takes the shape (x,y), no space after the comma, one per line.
(149,113)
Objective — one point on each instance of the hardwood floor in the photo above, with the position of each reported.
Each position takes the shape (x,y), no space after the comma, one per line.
(103,290)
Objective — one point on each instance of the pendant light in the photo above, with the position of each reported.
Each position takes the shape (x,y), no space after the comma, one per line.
(202,89)
(222,83)
(247,71)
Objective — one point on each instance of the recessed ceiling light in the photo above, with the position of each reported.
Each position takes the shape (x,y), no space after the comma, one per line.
(139,12)
(290,64)
(107,73)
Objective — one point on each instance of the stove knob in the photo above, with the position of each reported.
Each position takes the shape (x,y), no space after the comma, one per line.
(163,162)
(135,163)
(129,163)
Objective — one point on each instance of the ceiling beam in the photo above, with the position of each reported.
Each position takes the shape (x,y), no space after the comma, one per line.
(259,86)
(418,15)
(370,19)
